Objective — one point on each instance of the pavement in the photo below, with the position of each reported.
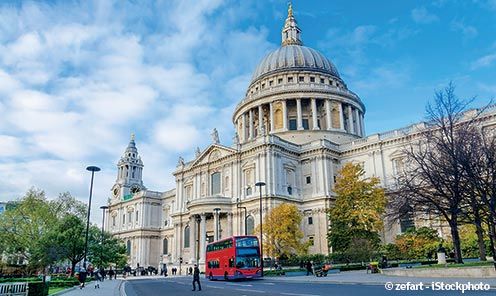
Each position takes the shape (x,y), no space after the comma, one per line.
(107,288)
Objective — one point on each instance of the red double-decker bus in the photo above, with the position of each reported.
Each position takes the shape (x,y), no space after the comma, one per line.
(236,257)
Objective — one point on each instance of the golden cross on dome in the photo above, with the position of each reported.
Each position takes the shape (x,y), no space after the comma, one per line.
(133,136)
(290,8)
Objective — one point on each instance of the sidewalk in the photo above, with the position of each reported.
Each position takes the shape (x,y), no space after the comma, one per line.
(107,288)
(361,277)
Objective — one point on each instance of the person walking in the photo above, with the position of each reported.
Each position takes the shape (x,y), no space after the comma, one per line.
(165,270)
(82,277)
(309,268)
(190,270)
(196,278)
(97,278)
(111,273)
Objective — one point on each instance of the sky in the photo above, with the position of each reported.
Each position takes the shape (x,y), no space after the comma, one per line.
(78,77)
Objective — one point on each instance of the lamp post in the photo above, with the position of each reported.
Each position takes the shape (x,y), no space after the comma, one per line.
(217,210)
(104,208)
(260,185)
(92,169)
(244,208)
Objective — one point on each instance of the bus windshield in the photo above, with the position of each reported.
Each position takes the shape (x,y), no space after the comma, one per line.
(247,258)
(246,242)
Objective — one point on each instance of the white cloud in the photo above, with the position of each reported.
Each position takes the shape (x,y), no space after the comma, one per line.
(422,16)
(77,78)
(466,30)
(484,61)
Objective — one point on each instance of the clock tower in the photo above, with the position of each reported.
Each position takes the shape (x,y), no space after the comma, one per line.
(129,174)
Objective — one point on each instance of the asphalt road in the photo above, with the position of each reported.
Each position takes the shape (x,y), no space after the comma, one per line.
(267,287)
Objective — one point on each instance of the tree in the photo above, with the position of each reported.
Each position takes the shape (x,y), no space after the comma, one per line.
(356,217)
(66,204)
(106,249)
(433,181)
(281,231)
(66,240)
(418,243)
(25,226)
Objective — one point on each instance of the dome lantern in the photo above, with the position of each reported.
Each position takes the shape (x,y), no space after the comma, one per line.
(291,32)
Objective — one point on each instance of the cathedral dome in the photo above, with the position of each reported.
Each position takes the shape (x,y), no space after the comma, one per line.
(294,57)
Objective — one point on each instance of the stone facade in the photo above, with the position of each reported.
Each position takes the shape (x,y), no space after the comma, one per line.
(296,126)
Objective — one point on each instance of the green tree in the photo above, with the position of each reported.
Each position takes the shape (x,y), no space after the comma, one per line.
(107,249)
(282,233)
(356,217)
(23,228)
(418,243)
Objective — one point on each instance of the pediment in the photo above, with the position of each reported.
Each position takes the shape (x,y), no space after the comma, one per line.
(212,154)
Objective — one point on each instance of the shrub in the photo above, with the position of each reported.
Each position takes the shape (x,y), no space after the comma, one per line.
(38,289)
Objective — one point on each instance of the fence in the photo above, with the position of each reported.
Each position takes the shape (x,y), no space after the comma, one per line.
(14,289)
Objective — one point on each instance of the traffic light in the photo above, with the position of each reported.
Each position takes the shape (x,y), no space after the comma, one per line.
(180,259)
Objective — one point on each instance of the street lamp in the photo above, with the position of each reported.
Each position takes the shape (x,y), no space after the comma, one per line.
(260,185)
(240,207)
(104,208)
(217,210)
(92,169)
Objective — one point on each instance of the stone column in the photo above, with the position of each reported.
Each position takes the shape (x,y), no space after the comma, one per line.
(362,124)
(284,116)
(299,117)
(341,116)
(351,127)
(192,238)
(229,224)
(243,127)
(358,126)
(314,114)
(271,117)
(328,114)
(216,226)
(203,237)
(250,125)
(260,120)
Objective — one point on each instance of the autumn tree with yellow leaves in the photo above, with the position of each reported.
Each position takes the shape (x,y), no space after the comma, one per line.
(356,217)
(282,233)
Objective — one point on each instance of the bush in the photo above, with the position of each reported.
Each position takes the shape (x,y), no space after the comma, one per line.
(38,289)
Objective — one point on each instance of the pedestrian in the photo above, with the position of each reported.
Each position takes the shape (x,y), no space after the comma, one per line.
(196,278)
(190,270)
(97,278)
(165,270)
(82,277)
(111,273)
(309,268)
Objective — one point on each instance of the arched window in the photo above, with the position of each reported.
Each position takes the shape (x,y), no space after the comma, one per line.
(128,247)
(215,183)
(186,237)
(250,225)
(165,246)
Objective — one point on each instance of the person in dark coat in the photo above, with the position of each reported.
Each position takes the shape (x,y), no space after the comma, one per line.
(82,277)
(196,278)
(309,268)
(190,270)
(111,273)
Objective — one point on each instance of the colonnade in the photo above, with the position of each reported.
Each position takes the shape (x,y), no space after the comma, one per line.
(285,115)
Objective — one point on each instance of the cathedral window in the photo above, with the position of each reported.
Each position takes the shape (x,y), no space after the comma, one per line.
(322,80)
(128,247)
(250,225)
(290,79)
(311,240)
(309,179)
(215,183)
(310,220)
(263,85)
(113,220)
(124,219)
(301,79)
(248,191)
(290,190)
(305,123)
(129,217)
(186,237)
(271,82)
(165,246)
(137,216)
(292,124)
(312,79)
(279,81)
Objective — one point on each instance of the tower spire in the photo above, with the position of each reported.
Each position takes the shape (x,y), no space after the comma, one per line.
(291,31)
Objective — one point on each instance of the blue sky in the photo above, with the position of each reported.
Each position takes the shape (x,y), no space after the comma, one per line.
(78,77)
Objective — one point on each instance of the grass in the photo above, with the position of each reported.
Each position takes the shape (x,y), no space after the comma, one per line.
(55,290)
(453,265)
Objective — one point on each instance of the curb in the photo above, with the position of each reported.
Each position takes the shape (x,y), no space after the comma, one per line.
(122,288)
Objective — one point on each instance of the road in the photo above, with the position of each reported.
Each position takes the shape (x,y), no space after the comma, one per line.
(267,287)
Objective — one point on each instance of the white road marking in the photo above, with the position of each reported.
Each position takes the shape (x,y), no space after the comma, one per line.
(215,287)
(248,290)
(296,294)
(241,285)
(268,284)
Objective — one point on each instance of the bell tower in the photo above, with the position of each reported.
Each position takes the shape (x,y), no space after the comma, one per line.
(129,173)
